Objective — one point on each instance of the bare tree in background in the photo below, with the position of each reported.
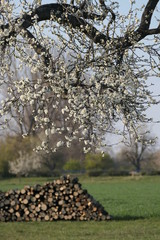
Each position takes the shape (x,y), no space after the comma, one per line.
(139,151)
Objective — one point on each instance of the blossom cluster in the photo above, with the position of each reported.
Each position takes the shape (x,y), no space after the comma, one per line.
(87,86)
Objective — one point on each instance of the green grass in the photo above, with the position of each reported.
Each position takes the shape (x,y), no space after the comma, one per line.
(133,202)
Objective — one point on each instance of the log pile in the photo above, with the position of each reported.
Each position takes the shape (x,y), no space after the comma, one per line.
(62,199)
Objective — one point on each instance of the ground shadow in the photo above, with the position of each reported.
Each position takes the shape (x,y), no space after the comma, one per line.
(127,218)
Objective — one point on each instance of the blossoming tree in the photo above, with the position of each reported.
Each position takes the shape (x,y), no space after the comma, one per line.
(89,56)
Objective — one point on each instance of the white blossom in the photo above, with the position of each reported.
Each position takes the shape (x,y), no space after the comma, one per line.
(73,78)
(60,144)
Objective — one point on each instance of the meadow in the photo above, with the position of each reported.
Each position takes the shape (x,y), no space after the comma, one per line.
(134,203)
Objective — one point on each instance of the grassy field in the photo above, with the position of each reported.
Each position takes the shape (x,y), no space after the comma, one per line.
(134,204)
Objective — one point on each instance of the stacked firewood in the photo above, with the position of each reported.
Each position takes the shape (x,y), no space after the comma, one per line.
(62,199)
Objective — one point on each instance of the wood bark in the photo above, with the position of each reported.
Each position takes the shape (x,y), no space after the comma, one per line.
(63,199)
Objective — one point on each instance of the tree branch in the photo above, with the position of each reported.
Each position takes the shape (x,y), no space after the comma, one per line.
(105,13)
(39,49)
(58,12)
(153,31)
(143,30)
(147,14)
(65,14)
(82,5)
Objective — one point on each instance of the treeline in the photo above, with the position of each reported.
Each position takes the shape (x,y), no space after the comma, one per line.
(17,158)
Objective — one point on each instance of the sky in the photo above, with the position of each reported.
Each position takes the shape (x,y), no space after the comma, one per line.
(154,111)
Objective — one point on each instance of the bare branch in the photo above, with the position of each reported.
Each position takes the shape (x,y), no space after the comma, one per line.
(153,31)
(147,14)
(82,5)
(107,10)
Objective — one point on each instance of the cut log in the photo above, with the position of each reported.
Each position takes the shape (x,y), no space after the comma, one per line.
(62,199)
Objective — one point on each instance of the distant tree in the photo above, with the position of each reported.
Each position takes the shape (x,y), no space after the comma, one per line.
(95,161)
(25,164)
(11,149)
(156,160)
(104,80)
(53,162)
(138,151)
(21,115)
(73,165)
